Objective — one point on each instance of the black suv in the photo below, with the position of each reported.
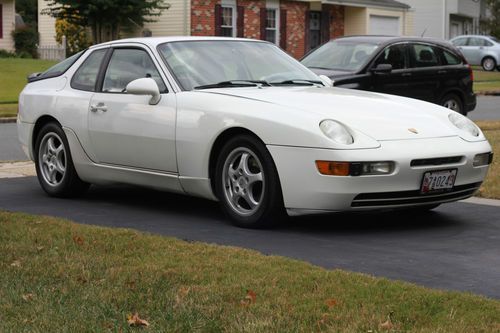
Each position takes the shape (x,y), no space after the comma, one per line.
(422,68)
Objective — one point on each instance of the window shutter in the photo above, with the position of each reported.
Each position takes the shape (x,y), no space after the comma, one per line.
(218,19)
(283,29)
(325,26)
(263,21)
(1,21)
(306,31)
(240,27)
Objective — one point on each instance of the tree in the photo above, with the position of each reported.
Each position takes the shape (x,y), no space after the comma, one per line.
(28,11)
(76,36)
(106,18)
(492,23)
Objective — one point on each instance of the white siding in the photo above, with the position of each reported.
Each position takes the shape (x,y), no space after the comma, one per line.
(175,21)
(8,24)
(46,26)
(428,16)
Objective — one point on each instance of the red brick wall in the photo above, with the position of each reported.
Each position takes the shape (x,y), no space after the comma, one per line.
(203,20)
(202,17)
(295,27)
(252,17)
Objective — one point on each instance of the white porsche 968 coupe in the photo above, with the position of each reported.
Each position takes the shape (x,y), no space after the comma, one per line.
(241,122)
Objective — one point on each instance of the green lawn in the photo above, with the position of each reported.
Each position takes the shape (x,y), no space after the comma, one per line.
(13,73)
(486,81)
(59,276)
(491,186)
(8,110)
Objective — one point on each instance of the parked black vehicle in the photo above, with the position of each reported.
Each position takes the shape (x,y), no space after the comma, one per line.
(421,68)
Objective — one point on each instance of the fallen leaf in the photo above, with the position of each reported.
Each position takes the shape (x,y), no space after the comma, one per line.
(38,222)
(28,297)
(250,298)
(78,240)
(181,294)
(330,303)
(39,248)
(135,320)
(387,325)
(16,263)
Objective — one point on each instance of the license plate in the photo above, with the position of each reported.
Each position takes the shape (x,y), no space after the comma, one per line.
(437,181)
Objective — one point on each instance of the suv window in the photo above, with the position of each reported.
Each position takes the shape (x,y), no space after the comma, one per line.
(451,59)
(85,77)
(394,55)
(127,65)
(423,56)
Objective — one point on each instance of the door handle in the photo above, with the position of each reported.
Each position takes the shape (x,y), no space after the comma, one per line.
(406,74)
(442,72)
(98,107)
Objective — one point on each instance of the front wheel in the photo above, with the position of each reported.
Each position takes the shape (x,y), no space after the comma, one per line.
(489,64)
(453,102)
(247,183)
(54,166)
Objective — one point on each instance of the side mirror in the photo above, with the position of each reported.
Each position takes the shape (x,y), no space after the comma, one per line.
(382,69)
(145,86)
(326,80)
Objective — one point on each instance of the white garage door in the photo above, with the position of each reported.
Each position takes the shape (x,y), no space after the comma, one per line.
(384,25)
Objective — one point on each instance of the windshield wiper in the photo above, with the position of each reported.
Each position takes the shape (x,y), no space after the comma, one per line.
(235,84)
(301,82)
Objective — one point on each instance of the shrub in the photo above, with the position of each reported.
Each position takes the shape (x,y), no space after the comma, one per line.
(7,54)
(76,36)
(25,41)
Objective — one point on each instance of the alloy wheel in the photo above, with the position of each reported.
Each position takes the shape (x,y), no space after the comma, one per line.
(52,159)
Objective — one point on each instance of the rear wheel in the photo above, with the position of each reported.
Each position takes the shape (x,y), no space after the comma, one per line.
(453,102)
(489,64)
(247,183)
(54,166)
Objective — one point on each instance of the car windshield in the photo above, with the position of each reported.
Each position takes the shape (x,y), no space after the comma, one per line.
(202,63)
(340,55)
(496,40)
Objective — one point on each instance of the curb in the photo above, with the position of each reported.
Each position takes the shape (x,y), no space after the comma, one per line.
(8,120)
(488,93)
(482,201)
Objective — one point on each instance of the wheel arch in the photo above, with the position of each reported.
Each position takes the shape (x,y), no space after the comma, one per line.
(453,91)
(40,122)
(219,142)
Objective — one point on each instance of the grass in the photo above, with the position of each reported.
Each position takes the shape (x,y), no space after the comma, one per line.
(8,110)
(60,276)
(491,186)
(486,81)
(14,72)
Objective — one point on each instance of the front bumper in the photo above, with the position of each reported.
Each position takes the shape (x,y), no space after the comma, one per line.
(305,190)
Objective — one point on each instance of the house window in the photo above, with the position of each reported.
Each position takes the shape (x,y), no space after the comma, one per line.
(314,30)
(1,22)
(228,26)
(272,26)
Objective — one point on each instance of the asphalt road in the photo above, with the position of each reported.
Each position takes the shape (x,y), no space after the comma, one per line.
(488,108)
(456,247)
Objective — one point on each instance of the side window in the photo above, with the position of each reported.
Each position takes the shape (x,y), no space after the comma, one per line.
(487,43)
(460,42)
(476,42)
(394,55)
(85,77)
(451,59)
(423,56)
(127,65)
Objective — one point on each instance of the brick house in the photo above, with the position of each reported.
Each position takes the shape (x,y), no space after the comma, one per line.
(297,26)
(7,24)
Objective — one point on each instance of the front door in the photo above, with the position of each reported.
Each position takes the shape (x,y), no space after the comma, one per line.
(427,72)
(395,82)
(125,130)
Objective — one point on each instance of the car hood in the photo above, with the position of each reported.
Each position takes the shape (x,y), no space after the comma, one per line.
(380,116)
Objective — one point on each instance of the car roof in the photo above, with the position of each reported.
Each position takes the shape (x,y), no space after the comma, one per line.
(154,41)
(386,40)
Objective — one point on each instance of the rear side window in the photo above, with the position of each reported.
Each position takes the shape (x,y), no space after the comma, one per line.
(423,56)
(451,59)
(125,66)
(85,77)
(476,42)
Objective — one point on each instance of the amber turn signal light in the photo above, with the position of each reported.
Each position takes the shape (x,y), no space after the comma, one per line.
(333,168)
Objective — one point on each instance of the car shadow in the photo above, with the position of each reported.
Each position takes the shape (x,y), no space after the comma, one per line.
(143,199)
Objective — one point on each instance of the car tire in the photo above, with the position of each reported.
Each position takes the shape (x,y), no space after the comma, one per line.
(453,102)
(54,165)
(489,64)
(247,183)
